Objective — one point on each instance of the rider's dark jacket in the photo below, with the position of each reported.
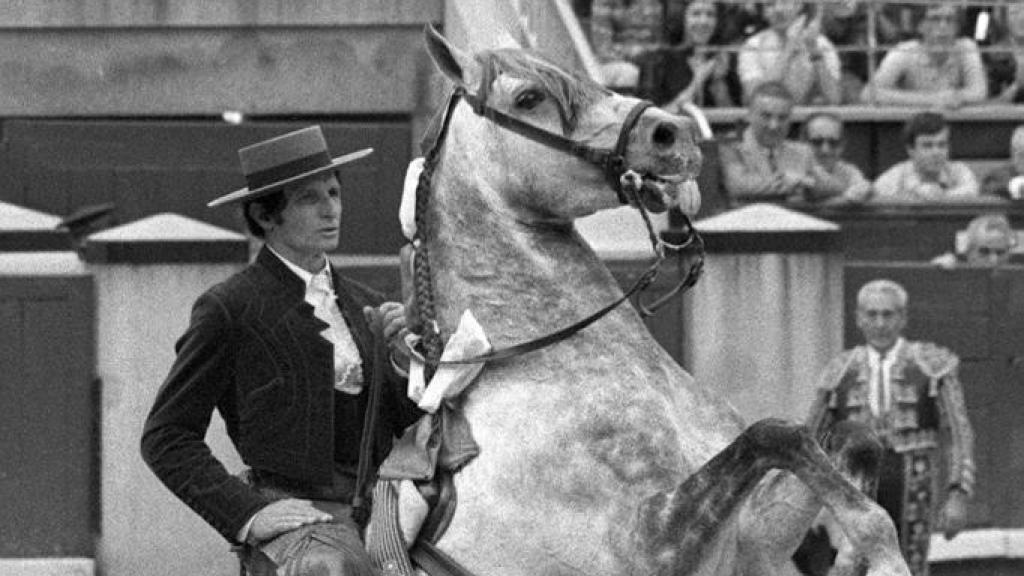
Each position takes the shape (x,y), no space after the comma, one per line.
(253,351)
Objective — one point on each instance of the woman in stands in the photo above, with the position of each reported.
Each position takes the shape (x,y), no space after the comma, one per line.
(940,69)
(1006,67)
(846,25)
(623,34)
(700,70)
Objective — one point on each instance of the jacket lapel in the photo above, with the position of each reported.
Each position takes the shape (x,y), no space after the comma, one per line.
(354,316)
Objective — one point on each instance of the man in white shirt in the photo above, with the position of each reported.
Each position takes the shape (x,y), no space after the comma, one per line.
(929,175)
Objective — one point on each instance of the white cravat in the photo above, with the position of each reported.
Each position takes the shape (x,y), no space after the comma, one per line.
(348,364)
(880,382)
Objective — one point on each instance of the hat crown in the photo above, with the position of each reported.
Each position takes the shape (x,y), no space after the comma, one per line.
(284,150)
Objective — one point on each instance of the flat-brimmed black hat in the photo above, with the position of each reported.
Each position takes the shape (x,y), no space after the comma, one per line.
(273,164)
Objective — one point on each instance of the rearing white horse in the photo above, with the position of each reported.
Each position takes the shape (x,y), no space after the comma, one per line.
(599,454)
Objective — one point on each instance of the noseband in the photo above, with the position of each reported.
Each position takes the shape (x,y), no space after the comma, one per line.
(612,163)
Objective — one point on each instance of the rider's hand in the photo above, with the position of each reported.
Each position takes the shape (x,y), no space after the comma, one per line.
(284,516)
(394,319)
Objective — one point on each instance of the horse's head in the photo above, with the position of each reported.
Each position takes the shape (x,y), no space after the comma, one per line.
(579,143)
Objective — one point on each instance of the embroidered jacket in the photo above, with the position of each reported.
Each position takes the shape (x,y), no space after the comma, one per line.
(926,404)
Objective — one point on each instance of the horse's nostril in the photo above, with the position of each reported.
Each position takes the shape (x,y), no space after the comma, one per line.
(664,134)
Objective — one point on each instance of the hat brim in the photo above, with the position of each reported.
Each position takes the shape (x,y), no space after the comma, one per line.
(247,194)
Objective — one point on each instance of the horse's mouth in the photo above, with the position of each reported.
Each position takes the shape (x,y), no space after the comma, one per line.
(658,192)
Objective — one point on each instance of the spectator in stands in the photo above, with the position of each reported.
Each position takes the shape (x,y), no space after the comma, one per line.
(741,20)
(760,164)
(1008,181)
(910,394)
(794,52)
(905,17)
(989,242)
(845,24)
(700,71)
(929,175)
(1005,63)
(939,69)
(835,180)
(622,33)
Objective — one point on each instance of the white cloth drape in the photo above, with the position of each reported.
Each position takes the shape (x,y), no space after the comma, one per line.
(758,328)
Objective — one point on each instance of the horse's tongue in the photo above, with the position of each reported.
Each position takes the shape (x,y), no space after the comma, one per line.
(688,197)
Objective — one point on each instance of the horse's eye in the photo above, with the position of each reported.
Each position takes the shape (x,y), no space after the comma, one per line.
(529,99)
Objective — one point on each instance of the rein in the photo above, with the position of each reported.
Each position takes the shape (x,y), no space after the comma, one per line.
(613,164)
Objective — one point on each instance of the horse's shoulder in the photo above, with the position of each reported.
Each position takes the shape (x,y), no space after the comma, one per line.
(934,360)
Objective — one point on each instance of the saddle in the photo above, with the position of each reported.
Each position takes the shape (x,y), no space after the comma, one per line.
(426,457)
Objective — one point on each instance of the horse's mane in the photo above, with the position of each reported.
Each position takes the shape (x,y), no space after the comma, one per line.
(572,93)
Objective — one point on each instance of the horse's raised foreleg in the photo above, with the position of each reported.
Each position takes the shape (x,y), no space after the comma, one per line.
(676,526)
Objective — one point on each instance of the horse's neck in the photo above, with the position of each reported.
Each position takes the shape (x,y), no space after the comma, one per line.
(519,280)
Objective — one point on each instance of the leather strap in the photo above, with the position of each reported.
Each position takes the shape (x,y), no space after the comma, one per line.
(612,162)
(642,282)
(360,503)
(435,562)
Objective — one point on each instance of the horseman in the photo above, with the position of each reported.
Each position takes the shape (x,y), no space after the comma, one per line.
(292,355)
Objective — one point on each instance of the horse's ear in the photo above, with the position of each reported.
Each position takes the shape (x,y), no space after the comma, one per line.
(458,66)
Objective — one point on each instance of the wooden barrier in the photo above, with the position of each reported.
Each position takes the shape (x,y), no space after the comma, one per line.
(145,168)
(49,407)
(908,231)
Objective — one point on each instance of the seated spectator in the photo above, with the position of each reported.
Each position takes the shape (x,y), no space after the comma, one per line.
(741,20)
(989,242)
(1005,61)
(1008,181)
(904,17)
(845,24)
(622,32)
(929,175)
(939,69)
(835,180)
(699,70)
(760,164)
(794,52)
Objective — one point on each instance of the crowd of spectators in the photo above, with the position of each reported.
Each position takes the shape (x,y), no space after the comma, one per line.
(770,56)
(714,54)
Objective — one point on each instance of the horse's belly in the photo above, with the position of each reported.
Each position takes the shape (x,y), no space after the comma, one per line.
(564,466)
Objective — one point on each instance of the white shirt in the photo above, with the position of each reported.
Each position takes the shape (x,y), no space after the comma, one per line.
(880,379)
(348,364)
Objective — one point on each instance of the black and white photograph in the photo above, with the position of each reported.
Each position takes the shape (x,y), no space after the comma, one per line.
(511,287)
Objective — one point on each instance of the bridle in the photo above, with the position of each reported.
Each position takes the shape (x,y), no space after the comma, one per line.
(612,162)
